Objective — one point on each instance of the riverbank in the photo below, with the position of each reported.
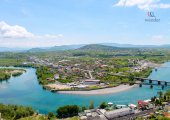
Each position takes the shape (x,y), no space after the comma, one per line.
(117,89)
(30,92)
(6,73)
(57,87)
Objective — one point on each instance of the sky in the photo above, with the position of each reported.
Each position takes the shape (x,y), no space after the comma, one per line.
(45,23)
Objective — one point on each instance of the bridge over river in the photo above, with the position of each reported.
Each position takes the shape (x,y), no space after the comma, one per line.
(150,81)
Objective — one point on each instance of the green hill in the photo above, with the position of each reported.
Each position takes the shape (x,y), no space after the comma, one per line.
(98,47)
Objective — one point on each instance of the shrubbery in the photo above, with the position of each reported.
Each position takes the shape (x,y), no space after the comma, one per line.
(68,111)
(13,112)
(43,73)
(103,105)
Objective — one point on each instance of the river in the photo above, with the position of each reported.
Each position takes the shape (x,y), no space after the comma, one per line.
(25,90)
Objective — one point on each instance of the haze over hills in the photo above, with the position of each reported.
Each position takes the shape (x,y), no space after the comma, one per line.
(89,47)
(55,48)
(135,46)
(100,46)
(86,46)
(6,49)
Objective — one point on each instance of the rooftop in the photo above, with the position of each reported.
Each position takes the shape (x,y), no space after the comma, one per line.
(91,80)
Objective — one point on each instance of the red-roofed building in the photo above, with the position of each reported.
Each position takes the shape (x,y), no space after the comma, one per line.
(142,104)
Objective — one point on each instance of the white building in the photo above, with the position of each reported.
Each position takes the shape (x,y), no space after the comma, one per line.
(56,76)
(91,82)
(118,113)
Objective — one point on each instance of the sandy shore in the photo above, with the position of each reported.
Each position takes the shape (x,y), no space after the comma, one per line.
(58,87)
(119,88)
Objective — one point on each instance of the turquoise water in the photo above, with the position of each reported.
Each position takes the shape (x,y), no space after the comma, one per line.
(25,90)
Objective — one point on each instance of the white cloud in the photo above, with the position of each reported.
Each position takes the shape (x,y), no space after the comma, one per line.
(50,36)
(142,4)
(8,31)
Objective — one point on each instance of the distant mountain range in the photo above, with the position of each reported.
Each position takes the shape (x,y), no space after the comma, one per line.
(135,46)
(55,48)
(108,46)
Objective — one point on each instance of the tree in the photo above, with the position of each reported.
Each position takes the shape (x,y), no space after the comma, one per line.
(83,108)
(50,115)
(68,111)
(168,98)
(164,97)
(131,77)
(103,105)
(157,102)
(160,94)
(153,99)
(91,105)
(13,112)
(168,93)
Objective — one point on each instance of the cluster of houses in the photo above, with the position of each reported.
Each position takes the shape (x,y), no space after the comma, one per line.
(67,68)
(143,64)
(119,112)
(83,73)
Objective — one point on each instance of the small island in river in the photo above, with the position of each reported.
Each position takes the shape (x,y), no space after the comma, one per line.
(6,73)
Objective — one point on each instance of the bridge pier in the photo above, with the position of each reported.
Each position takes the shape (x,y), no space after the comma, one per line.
(165,83)
(150,81)
(159,82)
(162,87)
(140,85)
(142,80)
(151,86)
